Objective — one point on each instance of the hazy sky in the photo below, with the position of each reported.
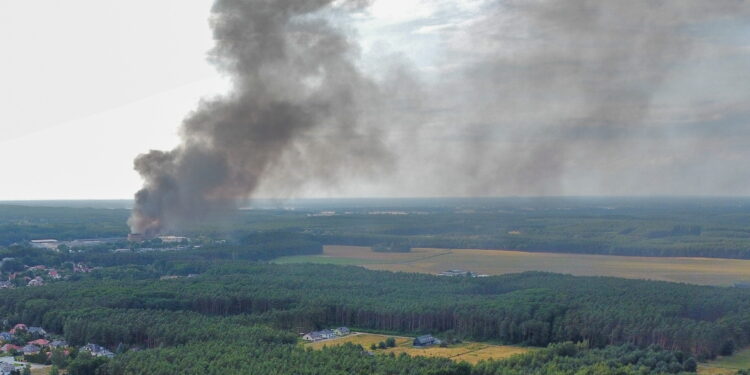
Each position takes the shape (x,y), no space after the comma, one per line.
(499,97)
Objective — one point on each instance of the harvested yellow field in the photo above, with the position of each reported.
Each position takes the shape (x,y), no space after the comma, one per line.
(451,351)
(42,370)
(365,253)
(492,352)
(471,352)
(708,370)
(364,339)
(707,271)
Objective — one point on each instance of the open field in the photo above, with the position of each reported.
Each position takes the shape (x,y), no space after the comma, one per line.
(471,352)
(364,339)
(42,370)
(727,365)
(707,271)
(708,370)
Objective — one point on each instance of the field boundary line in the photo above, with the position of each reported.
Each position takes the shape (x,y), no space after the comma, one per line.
(426,257)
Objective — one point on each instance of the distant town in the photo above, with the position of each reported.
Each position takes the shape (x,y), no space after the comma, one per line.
(13,273)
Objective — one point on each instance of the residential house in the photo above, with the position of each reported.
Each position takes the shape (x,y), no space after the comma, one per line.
(342,331)
(7,348)
(37,281)
(18,328)
(56,344)
(38,268)
(319,335)
(97,351)
(328,333)
(54,274)
(7,368)
(6,336)
(39,342)
(31,349)
(6,285)
(312,336)
(37,331)
(426,340)
(80,267)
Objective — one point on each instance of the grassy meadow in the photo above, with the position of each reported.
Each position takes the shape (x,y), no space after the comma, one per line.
(706,271)
(471,352)
(727,365)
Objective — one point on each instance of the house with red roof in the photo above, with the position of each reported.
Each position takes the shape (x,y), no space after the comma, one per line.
(7,348)
(39,342)
(18,327)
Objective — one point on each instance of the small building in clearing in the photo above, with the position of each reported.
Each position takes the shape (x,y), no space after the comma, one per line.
(426,340)
(321,335)
(45,244)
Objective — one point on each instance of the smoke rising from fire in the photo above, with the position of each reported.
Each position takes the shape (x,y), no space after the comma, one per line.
(526,97)
(297,99)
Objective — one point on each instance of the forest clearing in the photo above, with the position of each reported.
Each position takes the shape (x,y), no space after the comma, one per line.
(471,352)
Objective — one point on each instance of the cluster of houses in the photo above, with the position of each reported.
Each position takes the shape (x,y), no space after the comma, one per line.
(40,341)
(38,275)
(34,346)
(326,334)
(461,273)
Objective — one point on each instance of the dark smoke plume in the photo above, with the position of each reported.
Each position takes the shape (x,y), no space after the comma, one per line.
(534,97)
(296,104)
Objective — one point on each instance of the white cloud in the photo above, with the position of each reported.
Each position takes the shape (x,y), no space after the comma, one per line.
(92,157)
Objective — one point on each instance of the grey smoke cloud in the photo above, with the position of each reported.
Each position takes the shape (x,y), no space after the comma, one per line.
(565,97)
(528,97)
(296,106)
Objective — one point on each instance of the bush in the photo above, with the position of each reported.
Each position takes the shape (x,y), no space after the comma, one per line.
(690,365)
(390,342)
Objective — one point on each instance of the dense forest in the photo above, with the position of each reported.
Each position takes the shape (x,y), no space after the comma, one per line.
(218,307)
(242,317)
(531,308)
(705,227)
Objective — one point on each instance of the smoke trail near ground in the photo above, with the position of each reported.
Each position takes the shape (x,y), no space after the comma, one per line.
(297,100)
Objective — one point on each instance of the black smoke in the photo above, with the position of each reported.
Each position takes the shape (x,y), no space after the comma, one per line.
(295,110)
